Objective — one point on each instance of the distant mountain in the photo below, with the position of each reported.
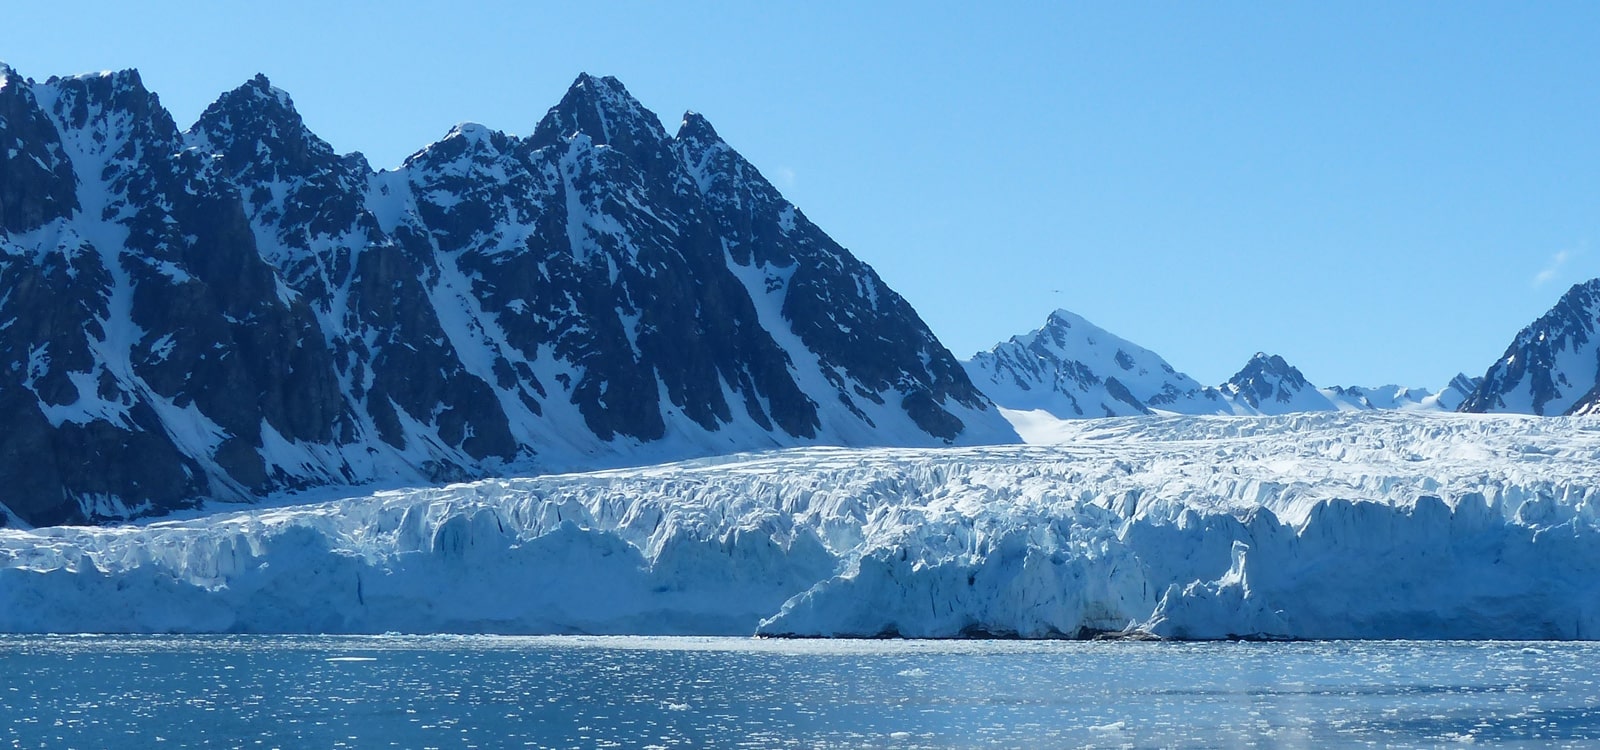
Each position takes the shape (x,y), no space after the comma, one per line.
(1552,367)
(1269,385)
(1073,369)
(236,309)
(1448,398)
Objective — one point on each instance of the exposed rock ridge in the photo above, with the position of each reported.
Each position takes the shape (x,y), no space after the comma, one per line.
(239,310)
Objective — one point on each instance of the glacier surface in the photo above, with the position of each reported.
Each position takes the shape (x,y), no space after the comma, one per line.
(1328,525)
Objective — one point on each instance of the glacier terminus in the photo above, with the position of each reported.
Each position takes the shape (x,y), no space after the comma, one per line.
(1374,524)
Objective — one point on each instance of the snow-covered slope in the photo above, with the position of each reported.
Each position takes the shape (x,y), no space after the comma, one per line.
(1552,366)
(1269,385)
(235,310)
(1342,524)
(1448,398)
(1073,369)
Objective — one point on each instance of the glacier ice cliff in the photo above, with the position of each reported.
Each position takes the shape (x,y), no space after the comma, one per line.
(1328,525)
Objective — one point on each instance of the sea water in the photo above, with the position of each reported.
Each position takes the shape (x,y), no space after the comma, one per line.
(465,692)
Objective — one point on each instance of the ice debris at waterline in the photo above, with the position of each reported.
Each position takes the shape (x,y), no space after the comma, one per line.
(1338,525)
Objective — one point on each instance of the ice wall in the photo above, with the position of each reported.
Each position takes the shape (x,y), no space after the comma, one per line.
(1380,525)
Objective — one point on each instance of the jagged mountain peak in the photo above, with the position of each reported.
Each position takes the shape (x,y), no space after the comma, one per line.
(255,109)
(607,84)
(1267,368)
(259,134)
(1464,382)
(36,177)
(719,170)
(602,109)
(126,78)
(85,95)
(248,312)
(478,136)
(695,126)
(471,131)
(261,87)
(1591,287)
(256,97)
(467,141)
(1269,384)
(1064,318)
(1579,306)
(1062,324)
(1553,365)
(114,111)
(1072,368)
(604,91)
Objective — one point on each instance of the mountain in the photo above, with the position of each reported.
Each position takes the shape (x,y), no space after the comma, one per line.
(237,310)
(1333,525)
(1448,398)
(1269,385)
(1072,369)
(1552,366)
(1460,388)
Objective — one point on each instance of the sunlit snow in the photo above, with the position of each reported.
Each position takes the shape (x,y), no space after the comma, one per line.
(1374,524)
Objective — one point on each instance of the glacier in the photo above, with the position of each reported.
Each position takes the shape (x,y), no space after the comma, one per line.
(1319,525)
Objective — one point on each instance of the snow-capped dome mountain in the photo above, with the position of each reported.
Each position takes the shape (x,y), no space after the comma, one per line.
(238,309)
(1552,367)
(1073,369)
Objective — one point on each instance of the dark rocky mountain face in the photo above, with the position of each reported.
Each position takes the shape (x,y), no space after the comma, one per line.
(1266,378)
(144,325)
(1588,405)
(239,310)
(1552,367)
(1465,384)
(854,325)
(36,181)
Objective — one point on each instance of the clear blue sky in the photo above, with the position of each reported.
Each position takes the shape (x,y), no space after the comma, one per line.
(1377,191)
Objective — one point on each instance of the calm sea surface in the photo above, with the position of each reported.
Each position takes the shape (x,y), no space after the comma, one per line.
(464,692)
